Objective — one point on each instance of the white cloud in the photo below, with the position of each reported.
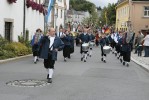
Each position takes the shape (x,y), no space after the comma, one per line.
(102,3)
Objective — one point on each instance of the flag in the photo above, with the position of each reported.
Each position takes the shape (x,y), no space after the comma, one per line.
(50,5)
(107,31)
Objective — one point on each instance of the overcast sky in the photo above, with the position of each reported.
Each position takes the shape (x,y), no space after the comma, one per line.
(102,3)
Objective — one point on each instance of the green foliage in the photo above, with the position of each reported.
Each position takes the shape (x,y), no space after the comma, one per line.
(81,5)
(21,38)
(13,49)
(4,54)
(17,48)
(27,35)
(111,14)
(2,42)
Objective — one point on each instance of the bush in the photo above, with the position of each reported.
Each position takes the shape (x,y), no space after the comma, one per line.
(17,48)
(4,54)
(3,42)
(13,49)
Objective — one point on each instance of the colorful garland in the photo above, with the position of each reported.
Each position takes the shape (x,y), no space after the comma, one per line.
(36,6)
(12,1)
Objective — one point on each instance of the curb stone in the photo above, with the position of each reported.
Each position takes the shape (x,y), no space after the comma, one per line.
(11,59)
(144,66)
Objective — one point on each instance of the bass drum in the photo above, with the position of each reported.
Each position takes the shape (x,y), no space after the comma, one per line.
(106,49)
(85,46)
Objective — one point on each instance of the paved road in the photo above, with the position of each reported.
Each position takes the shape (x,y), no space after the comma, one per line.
(76,80)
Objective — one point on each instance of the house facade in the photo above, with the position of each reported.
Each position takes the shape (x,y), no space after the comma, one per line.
(58,14)
(132,15)
(18,18)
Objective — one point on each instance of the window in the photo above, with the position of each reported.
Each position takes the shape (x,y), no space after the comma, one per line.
(8,26)
(146,11)
(61,13)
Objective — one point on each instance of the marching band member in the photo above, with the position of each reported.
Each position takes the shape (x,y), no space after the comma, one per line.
(51,44)
(36,44)
(84,38)
(126,48)
(92,39)
(119,46)
(66,38)
(103,42)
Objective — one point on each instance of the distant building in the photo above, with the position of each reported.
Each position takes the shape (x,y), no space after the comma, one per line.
(76,16)
(58,14)
(132,15)
(11,19)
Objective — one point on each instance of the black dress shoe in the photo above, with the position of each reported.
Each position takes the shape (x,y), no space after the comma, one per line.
(48,76)
(127,65)
(84,60)
(104,61)
(101,59)
(50,80)
(35,62)
(123,63)
(121,60)
(115,54)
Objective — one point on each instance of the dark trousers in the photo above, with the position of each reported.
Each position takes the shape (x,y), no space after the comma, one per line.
(139,50)
(146,51)
(102,53)
(35,49)
(66,51)
(49,63)
(126,56)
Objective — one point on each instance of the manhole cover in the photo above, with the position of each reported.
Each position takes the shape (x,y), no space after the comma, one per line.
(28,83)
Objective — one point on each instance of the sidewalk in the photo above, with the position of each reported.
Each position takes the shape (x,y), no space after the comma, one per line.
(10,59)
(142,61)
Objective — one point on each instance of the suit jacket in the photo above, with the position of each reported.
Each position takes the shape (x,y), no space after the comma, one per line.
(58,44)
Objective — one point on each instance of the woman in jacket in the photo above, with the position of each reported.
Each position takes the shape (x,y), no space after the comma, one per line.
(36,44)
(66,38)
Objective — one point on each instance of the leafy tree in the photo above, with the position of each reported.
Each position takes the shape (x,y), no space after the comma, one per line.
(82,5)
(108,15)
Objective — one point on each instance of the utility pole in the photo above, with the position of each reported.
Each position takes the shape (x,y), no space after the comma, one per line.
(24,16)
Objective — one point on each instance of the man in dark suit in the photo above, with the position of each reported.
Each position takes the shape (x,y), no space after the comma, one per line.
(50,45)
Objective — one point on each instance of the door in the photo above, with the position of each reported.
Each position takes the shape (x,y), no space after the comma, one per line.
(8,27)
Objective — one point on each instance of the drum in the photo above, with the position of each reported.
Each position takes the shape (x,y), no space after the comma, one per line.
(91,44)
(85,46)
(106,49)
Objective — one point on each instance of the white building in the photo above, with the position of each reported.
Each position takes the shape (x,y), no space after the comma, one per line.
(11,19)
(58,14)
(76,16)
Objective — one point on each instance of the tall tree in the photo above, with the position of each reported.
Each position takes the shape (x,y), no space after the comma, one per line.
(82,5)
(108,14)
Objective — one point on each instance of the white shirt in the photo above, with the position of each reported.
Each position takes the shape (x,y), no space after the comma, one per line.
(51,42)
(146,40)
(59,34)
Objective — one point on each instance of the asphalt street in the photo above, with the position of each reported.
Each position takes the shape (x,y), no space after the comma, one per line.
(76,80)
